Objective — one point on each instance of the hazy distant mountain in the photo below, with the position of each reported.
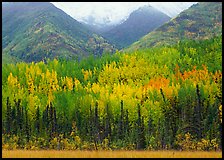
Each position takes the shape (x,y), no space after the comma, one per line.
(140,22)
(201,21)
(33,31)
(104,14)
(98,29)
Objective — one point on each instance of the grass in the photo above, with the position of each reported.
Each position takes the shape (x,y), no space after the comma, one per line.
(108,154)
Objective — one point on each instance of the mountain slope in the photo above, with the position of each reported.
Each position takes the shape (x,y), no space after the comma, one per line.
(140,22)
(33,31)
(201,21)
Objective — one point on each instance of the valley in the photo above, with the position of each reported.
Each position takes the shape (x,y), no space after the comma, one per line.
(136,88)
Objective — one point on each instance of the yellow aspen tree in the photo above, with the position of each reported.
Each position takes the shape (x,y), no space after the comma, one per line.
(69,83)
(54,81)
(12,81)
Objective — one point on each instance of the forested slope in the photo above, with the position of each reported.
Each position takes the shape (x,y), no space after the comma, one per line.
(159,98)
(201,21)
(36,31)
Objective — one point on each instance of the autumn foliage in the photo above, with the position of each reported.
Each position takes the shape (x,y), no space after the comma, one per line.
(164,98)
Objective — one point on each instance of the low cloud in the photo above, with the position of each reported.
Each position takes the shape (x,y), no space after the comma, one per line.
(114,12)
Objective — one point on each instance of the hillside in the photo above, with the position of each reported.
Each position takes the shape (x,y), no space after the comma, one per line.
(140,22)
(34,31)
(165,98)
(201,21)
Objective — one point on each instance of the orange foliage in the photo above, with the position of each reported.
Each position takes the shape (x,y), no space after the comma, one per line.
(194,75)
(157,83)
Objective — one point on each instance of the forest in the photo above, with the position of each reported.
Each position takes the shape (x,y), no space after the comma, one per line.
(168,97)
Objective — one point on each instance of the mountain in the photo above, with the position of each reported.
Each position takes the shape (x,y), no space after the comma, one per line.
(201,21)
(103,14)
(34,31)
(140,22)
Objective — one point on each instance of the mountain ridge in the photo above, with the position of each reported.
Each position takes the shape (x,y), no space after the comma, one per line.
(140,22)
(44,31)
(201,21)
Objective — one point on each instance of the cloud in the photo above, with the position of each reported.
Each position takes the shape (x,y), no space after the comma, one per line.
(172,8)
(114,12)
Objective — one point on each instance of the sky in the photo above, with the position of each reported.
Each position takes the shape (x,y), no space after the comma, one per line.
(114,12)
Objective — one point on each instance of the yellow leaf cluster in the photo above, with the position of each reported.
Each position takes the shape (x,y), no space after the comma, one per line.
(69,83)
(87,74)
(77,84)
(50,97)
(13,81)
